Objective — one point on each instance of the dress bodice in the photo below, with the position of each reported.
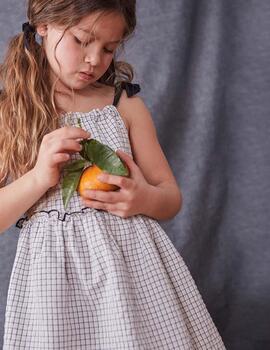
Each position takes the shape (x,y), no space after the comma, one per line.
(105,125)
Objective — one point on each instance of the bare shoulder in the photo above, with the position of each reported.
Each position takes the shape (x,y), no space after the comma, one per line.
(133,110)
(146,150)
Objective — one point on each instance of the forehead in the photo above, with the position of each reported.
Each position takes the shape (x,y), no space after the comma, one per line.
(106,26)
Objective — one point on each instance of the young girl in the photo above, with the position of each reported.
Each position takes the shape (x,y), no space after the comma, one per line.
(102,274)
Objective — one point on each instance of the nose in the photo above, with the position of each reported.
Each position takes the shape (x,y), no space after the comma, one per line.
(92,56)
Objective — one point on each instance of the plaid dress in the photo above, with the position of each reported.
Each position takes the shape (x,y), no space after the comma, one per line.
(84,279)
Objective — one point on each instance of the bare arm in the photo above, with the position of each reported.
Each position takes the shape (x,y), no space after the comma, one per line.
(151,188)
(17,197)
(163,198)
(56,147)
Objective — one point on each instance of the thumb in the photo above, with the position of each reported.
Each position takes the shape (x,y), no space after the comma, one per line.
(127,160)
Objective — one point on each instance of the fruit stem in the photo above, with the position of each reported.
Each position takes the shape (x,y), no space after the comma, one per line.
(79,123)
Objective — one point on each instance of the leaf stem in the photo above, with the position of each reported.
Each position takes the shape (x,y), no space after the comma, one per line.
(79,123)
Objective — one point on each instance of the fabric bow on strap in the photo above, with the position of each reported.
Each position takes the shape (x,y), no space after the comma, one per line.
(131,89)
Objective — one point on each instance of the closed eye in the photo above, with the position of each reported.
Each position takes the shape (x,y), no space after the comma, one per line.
(77,40)
(80,42)
(108,51)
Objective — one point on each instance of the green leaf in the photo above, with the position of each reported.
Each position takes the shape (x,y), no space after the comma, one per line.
(94,152)
(104,157)
(75,165)
(83,152)
(70,184)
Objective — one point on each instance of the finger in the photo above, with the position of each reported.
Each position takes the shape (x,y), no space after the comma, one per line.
(120,181)
(59,158)
(98,205)
(128,160)
(75,132)
(71,132)
(114,209)
(102,196)
(66,145)
(120,213)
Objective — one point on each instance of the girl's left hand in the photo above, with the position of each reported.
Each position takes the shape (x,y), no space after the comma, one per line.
(125,202)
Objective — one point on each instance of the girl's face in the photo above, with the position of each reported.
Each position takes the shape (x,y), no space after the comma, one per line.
(80,55)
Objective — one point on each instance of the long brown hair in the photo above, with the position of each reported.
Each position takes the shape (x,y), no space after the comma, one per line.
(27,103)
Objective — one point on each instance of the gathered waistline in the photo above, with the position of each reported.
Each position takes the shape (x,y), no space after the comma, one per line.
(61,216)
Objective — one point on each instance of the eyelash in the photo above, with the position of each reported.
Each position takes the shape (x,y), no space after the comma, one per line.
(80,43)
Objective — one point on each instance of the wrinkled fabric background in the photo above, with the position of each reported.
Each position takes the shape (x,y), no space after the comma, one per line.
(204,70)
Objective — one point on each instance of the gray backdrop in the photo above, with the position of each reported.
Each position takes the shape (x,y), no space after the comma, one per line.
(205,75)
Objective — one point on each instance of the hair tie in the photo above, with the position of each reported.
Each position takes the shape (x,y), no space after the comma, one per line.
(28,31)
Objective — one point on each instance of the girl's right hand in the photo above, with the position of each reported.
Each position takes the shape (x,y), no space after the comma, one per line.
(54,152)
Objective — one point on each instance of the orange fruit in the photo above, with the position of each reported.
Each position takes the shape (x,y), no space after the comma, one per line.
(89,181)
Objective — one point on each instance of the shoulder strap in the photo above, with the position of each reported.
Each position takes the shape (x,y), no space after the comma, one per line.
(131,89)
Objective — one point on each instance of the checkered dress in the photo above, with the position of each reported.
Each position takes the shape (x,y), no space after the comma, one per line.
(84,279)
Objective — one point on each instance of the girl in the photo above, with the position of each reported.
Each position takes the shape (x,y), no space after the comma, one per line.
(101,274)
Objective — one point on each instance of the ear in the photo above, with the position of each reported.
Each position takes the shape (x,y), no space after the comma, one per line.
(42,29)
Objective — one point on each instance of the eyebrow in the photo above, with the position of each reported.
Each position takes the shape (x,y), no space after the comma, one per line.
(89,32)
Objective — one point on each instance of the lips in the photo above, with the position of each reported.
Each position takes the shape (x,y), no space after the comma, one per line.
(86,75)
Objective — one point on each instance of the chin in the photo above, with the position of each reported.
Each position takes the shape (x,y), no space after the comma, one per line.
(74,85)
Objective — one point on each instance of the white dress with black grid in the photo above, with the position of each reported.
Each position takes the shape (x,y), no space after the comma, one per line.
(84,279)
